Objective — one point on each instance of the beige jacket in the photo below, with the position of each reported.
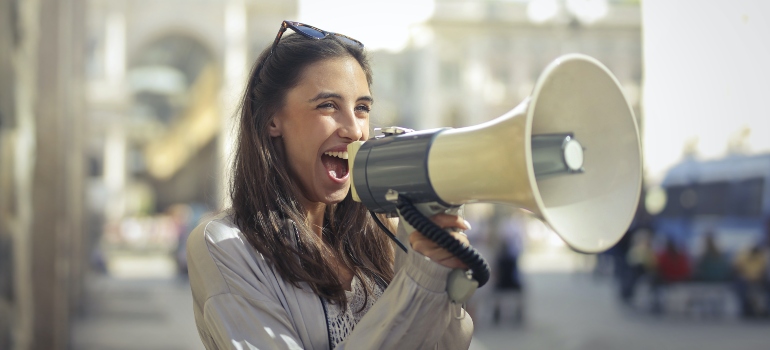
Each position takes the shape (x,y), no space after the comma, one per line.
(240,302)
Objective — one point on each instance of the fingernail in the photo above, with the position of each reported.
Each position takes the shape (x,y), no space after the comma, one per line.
(467,225)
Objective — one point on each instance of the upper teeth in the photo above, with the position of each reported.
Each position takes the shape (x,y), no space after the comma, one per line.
(343,155)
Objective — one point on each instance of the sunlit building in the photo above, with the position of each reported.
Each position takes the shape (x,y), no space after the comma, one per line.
(161,77)
(475,60)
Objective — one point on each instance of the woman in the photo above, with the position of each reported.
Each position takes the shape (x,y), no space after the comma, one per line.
(295,263)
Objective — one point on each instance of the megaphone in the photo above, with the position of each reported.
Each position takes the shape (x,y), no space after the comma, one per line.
(569,153)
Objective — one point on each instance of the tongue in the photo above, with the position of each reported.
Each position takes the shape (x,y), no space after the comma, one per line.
(336,167)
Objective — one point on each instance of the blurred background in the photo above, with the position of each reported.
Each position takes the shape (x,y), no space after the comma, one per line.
(116,126)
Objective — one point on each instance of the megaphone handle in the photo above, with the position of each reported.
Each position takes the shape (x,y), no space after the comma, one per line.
(460,284)
(428,210)
(419,222)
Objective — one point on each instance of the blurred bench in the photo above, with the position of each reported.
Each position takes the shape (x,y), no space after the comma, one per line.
(690,298)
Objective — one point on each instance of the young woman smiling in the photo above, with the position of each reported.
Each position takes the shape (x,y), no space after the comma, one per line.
(295,263)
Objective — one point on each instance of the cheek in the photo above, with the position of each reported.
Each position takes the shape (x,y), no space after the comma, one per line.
(303,148)
(365,128)
(302,152)
(295,149)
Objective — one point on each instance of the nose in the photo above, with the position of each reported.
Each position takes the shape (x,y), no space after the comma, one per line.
(351,127)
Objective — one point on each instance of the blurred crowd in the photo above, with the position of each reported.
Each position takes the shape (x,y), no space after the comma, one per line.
(707,280)
(160,233)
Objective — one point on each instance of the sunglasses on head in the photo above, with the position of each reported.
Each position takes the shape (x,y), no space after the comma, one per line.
(311,32)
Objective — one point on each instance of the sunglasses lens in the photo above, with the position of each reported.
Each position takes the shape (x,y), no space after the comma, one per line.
(349,41)
(311,32)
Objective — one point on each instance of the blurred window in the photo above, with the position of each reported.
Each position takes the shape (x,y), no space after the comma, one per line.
(450,74)
(674,206)
(501,71)
(724,198)
(746,198)
(711,198)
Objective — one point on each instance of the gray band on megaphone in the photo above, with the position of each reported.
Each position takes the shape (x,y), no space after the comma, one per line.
(397,163)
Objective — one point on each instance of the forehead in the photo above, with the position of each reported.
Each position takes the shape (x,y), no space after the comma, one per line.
(340,74)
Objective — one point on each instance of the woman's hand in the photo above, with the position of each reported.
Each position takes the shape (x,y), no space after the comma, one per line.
(430,249)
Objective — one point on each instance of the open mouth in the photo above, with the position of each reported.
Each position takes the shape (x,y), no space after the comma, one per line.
(336,164)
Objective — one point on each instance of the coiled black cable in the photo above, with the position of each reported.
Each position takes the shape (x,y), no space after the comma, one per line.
(465,253)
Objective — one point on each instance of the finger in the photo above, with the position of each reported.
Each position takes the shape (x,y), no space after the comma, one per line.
(417,239)
(431,249)
(446,221)
(451,223)
(453,263)
(424,246)
(439,254)
(443,257)
(460,236)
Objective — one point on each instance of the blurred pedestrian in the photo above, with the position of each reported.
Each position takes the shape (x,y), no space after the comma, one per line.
(712,265)
(181,216)
(508,285)
(641,263)
(750,268)
(672,266)
(480,236)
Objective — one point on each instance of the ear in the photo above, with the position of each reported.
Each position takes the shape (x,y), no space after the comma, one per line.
(274,127)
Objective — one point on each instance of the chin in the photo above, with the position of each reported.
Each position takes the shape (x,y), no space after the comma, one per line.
(334,199)
(337,196)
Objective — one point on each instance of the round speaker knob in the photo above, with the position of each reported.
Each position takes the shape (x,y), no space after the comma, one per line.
(573,155)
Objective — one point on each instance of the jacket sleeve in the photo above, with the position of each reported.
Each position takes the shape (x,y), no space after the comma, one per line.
(233,321)
(414,312)
(234,303)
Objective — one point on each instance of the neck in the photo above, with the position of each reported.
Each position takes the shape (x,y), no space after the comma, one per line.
(315,215)
(315,219)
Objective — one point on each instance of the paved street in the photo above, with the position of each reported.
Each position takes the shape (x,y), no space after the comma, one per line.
(580,312)
(563,311)
(128,314)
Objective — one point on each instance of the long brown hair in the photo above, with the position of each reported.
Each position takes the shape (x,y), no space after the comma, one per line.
(266,209)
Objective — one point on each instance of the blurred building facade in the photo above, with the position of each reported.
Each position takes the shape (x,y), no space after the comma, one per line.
(107,109)
(475,60)
(161,82)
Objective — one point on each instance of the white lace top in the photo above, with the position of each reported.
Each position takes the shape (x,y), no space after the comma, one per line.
(340,323)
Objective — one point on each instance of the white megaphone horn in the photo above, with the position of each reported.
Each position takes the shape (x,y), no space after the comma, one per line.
(569,153)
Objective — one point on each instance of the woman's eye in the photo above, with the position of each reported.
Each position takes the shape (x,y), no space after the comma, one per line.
(326,105)
(363,108)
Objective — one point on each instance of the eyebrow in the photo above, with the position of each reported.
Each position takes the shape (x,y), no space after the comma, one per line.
(325,95)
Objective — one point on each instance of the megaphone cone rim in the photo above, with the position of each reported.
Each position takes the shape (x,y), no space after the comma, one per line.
(533,98)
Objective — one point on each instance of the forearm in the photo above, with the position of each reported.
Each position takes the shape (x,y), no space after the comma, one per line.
(413,313)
